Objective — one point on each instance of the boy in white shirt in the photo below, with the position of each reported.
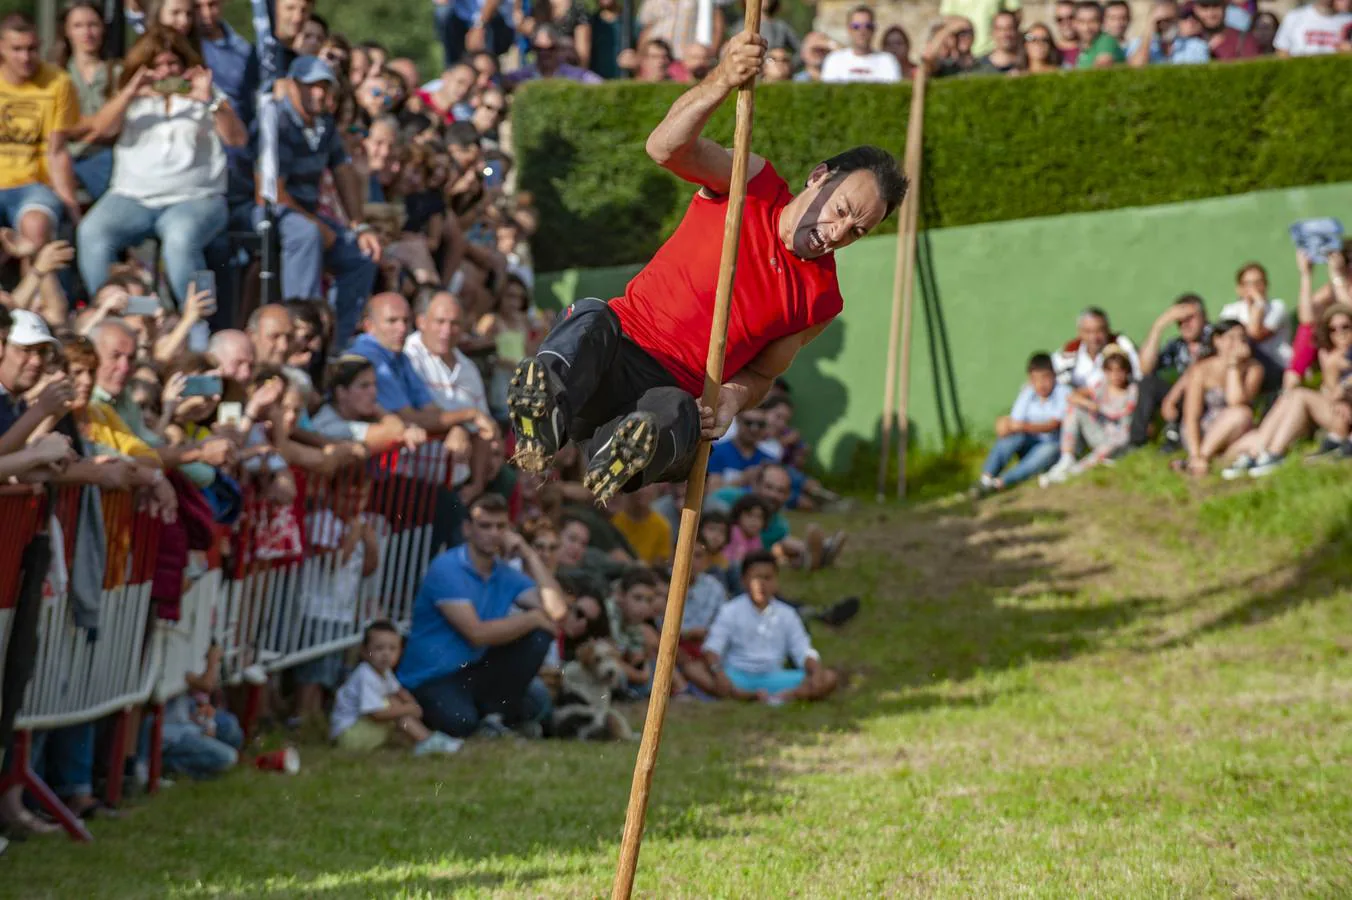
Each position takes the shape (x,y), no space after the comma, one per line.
(753,635)
(371,706)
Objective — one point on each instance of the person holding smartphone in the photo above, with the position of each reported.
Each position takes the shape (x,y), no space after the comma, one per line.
(169,167)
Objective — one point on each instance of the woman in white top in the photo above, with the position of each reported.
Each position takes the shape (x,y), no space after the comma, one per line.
(168,163)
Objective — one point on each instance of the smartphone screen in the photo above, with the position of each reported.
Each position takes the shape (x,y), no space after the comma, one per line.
(202,386)
(205,280)
(229,413)
(143,305)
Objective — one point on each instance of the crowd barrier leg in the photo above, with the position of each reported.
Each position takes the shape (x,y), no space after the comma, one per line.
(21,773)
(156,747)
(117,758)
(253,699)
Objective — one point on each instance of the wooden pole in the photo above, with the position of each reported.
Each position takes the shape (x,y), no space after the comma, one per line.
(915,135)
(646,763)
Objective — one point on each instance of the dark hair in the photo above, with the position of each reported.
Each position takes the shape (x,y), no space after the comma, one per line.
(1013,15)
(1119,359)
(17,22)
(892,183)
(635,577)
(158,39)
(1041,362)
(1192,300)
(776,400)
(759,557)
(495,504)
(658,42)
(714,517)
(6,320)
(462,134)
(1112,3)
(569,519)
(1323,336)
(1089,4)
(373,45)
(861,8)
(748,502)
(322,22)
(378,625)
(1222,328)
(347,370)
(1250,266)
(62,51)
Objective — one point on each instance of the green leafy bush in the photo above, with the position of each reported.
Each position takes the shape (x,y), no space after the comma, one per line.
(995,148)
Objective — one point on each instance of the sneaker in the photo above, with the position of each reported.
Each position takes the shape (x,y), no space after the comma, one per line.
(628,452)
(535,416)
(838,614)
(530,730)
(831,549)
(1266,464)
(1239,468)
(436,742)
(1330,450)
(490,726)
(1057,473)
(1172,441)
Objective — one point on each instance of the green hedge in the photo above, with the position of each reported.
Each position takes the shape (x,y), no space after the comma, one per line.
(995,148)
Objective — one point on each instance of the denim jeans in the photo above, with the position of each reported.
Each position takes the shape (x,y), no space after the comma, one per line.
(499,683)
(15,202)
(116,223)
(190,752)
(94,171)
(304,260)
(64,758)
(1035,457)
(452,30)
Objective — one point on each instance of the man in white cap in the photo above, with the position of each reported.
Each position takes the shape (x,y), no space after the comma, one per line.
(24,339)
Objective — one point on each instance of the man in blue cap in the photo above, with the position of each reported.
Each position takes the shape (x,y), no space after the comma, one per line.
(310,241)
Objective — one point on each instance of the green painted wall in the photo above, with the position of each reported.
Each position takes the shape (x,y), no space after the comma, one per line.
(1008,289)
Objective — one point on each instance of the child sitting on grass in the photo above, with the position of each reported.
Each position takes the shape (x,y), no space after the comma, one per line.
(753,635)
(371,706)
(703,600)
(199,739)
(750,514)
(630,609)
(1098,418)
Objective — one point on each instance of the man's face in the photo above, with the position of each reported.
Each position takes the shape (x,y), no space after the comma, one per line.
(656,61)
(1043,382)
(750,428)
(774,487)
(1116,21)
(316,97)
(862,27)
(1093,334)
(21,367)
(388,322)
(698,60)
(485,70)
(1191,327)
(458,82)
(117,354)
(235,360)
(778,66)
(291,18)
(1005,33)
(310,39)
(209,14)
(20,53)
(486,531)
(762,583)
(636,604)
(1065,21)
(546,54)
(379,146)
(488,114)
(1088,24)
(833,212)
(1211,15)
(573,540)
(272,340)
(440,325)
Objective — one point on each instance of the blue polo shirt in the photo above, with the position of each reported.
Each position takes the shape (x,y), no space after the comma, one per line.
(434,648)
(397,385)
(304,153)
(234,69)
(725,458)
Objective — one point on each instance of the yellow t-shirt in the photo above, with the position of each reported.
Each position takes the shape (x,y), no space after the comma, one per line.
(650,536)
(105,429)
(29,113)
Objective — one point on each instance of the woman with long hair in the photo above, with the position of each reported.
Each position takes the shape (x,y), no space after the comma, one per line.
(169,168)
(79,50)
(1040,51)
(1218,402)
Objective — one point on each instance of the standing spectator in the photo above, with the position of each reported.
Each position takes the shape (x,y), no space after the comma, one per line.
(1264,31)
(1096,49)
(1164,43)
(674,21)
(1164,396)
(1030,431)
(37,178)
(471,25)
(654,62)
(79,50)
(778,34)
(982,14)
(816,47)
(1224,41)
(310,40)
(309,241)
(1117,21)
(608,40)
(469,656)
(1218,403)
(1040,50)
(897,42)
(1067,39)
(949,51)
(1311,30)
(1006,56)
(860,62)
(169,165)
(277,24)
(1266,320)
(231,59)
(549,61)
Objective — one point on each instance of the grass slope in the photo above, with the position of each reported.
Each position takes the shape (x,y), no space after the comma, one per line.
(1132,686)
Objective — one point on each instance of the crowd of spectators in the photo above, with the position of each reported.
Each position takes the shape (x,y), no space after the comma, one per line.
(1235,394)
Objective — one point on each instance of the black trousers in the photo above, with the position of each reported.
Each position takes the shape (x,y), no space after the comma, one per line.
(602,376)
(1151,391)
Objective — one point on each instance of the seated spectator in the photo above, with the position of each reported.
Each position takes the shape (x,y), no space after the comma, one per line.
(715,527)
(754,634)
(732,457)
(774,485)
(1096,49)
(631,609)
(469,656)
(232,59)
(1264,31)
(372,706)
(234,354)
(674,23)
(703,601)
(698,62)
(1040,50)
(37,180)
(1224,41)
(1164,369)
(200,739)
(651,64)
(747,521)
(897,42)
(1067,37)
(1310,310)
(1007,57)
(1099,419)
(647,531)
(1030,432)
(310,40)
(1164,44)
(816,47)
(79,51)
(778,67)
(949,51)
(1311,30)
(1218,404)
(1299,410)
(311,243)
(1117,21)
(169,163)
(353,413)
(548,62)
(451,101)
(1266,320)
(1080,362)
(860,62)
(40,288)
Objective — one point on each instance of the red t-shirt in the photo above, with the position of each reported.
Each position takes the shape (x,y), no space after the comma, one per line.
(668,308)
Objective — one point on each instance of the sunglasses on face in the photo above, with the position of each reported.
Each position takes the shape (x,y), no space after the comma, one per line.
(1036,39)
(1069,18)
(862,26)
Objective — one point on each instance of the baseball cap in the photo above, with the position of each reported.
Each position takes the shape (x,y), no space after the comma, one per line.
(311,70)
(28,330)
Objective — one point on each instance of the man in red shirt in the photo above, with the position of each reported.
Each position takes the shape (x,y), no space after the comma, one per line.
(622,378)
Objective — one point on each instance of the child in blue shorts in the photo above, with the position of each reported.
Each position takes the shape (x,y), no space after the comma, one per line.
(755,633)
